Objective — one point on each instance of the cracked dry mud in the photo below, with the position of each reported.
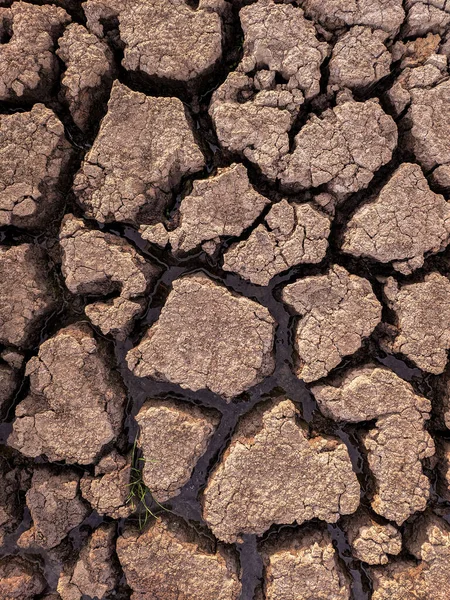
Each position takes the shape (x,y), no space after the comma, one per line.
(224,300)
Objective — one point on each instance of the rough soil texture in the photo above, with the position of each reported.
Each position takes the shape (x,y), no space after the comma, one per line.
(224,300)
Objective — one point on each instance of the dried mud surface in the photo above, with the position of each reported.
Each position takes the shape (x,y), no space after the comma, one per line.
(224,300)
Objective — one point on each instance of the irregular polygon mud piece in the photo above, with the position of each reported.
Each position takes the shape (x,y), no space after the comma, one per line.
(429,120)
(405,221)
(422,316)
(278,37)
(424,16)
(274,473)
(397,443)
(337,311)
(34,156)
(387,15)
(95,264)
(163,38)
(172,437)
(55,506)
(207,337)
(342,148)
(371,541)
(10,507)
(429,542)
(75,406)
(28,66)
(94,574)
(290,235)
(27,294)
(20,579)
(87,80)
(223,205)
(169,561)
(108,491)
(303,566)
(359,59)
(144,147)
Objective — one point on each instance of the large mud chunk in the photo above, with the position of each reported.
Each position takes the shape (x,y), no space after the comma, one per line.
(274,473)
(108,492)
(429,542)
(337,311)
(291,234)
(343,148)
(359,59)
(20,579)
(144,147)
(429,120)
(207,337)
(277,37)
(172,437)
(397,443)
(168,39)
(99,264)
(387,15)
(28,65)
(422,320)
(55,507)
(34,156)
(94,574)
(76,402)
(402,224)
(27,294)
(87,80)
(169,561)
(371,542)
(303,565)
(425,16)
(220,206)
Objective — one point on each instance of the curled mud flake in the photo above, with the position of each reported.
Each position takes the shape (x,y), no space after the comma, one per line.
(278,37)
(223,205)
(291,234)
(425,16)
(170,561)
(387,15)
(402,224)
(55,506)
(172,438)
(429,542)
(303,565)
(76,402)
(274,473)
(94,574)
(34,156)
(398,442)
(371,542)
(167,39)
(28,65)
(429,120)
(144,147)
(108,491)
(342,149)
(422,317)
(95,264)
(27,294)
(359,59)
(337,311)
(87,80)
(207,337)
(20,579)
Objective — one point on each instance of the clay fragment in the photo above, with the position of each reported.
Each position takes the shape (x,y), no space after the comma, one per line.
(337,311)
(207,337)
(274,473)
(20,579)
(372,542)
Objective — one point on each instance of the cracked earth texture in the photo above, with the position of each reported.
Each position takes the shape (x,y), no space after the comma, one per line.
(224,300)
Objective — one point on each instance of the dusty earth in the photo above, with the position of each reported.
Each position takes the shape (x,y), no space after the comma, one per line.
(224,300)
